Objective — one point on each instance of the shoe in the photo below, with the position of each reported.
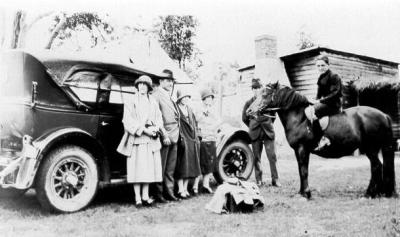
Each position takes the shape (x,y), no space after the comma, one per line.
(260,183)
(160,199)
(170,197)
(276,183)
(324,142)
(207,190)
(182,195)
(138,204)
(148,202)
(187,194)
(195,192)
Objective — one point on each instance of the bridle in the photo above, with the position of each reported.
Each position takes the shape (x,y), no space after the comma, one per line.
(274,109)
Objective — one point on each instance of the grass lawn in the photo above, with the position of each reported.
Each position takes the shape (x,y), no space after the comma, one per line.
(337,209)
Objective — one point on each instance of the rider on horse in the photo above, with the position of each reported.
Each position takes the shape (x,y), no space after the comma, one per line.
(329,95)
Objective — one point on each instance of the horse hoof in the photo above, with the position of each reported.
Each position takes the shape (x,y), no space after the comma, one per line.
(299,197)
(392,195)
(370,194)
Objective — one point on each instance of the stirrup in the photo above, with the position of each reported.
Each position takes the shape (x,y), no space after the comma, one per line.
(324,142)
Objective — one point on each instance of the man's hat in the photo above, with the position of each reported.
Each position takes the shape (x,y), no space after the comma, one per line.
(206,93)
(180,94)
(167,74)
(255,83)
(146,80)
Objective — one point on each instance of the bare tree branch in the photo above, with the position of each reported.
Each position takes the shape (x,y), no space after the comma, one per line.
(60,26)
(16,29)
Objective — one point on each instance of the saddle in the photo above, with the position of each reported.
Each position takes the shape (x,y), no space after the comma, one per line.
(310,114)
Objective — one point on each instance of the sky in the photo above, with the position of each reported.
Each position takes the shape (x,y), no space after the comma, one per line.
(228,28)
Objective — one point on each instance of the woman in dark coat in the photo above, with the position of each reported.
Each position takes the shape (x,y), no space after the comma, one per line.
(329,93)
(188,163)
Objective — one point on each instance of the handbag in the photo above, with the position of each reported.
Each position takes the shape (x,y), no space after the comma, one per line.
(155,135)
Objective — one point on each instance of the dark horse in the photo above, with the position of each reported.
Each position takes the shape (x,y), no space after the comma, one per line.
(358,127)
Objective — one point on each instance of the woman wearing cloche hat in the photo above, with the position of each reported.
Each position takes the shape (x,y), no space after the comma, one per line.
(208,122)
(140,143)
(188,163)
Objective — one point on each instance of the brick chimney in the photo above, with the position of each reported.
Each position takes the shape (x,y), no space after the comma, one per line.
(268,67)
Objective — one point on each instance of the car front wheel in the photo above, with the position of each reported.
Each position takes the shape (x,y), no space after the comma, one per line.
(235,160)
(67,180)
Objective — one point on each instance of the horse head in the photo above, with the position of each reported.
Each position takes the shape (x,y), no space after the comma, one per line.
(264,100)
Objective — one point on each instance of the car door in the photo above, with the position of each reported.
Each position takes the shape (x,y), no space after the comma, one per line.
(110,104)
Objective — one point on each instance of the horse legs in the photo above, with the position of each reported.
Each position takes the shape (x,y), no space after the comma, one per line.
(303,158)
(376,182)
(389,180)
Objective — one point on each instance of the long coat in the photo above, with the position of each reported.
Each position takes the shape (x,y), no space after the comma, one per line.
(169,111)
(143,152)
(188,164)
(260,128)
(134,125)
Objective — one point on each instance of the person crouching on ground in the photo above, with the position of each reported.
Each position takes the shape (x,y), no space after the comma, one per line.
(208,123)
(140,143)
(188,163)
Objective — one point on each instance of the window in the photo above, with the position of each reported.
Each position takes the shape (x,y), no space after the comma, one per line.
(101,87)
(120,87)
(84,85)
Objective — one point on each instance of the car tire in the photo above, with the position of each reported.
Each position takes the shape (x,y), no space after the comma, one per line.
(235,160)
(11,192)
(67,180)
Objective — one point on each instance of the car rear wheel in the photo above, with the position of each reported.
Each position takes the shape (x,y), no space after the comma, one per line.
(67,180)
(235,160)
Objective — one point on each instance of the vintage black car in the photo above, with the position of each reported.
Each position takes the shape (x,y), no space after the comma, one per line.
(60,124)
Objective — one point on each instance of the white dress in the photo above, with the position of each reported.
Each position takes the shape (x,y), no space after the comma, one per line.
(144,164)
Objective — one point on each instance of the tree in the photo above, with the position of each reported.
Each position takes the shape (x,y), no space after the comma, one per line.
(176,35)
(65,25)
(20,28)
(305,39)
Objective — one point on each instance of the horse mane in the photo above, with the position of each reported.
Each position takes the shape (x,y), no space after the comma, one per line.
(287,98)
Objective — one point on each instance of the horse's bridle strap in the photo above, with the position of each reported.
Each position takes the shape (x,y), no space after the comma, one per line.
(271,109)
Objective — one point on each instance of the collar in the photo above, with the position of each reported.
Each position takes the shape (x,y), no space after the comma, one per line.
(165,92)
(325,73)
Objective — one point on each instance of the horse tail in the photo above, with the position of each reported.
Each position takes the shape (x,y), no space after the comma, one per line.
(388,161)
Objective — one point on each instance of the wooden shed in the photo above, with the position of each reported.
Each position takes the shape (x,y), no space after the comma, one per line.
(367,80)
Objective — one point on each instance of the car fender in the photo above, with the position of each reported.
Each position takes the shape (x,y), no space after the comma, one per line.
(69,135)
(230,134)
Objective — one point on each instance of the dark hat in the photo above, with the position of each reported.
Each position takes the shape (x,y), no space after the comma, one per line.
(146,80)
(206,93)
(180,94)
(255,83)
(167,74)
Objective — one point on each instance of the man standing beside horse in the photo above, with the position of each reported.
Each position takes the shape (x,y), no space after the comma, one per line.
(261,131)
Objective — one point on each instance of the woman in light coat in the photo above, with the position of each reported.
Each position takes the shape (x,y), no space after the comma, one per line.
(141,143)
